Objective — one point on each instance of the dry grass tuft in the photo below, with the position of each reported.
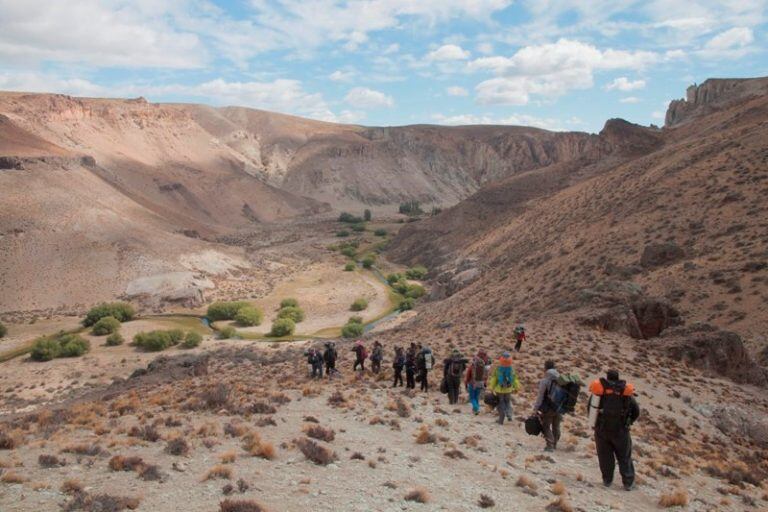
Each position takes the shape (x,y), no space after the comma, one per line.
(485,501)
(228,457)
(418,494)
(11,477)
(560,505)
(100,503)
(455,454)
(318,432)
(218,471)
(240,506)
(71,486)
(337,399)
(558,488)
(678,498)
(120,463)
(525,482)
(50,461)
(83,449)
(7,442)
(315,452)
(177,446)
(257,447)
(424,436)
(150,473)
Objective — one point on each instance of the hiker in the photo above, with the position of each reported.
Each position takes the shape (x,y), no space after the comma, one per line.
(502,383)
(453,369)
(424,363)
(477,374)
(329,356)
(397,364)
(617,412)
(377,355)
(360,355)
(519,337)
(546,409)
(410,367)
(315,361)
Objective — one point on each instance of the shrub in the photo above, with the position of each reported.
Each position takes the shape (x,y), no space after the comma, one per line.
(678,498)
(106,325)
(228,332)
(358,228)
(411,208)
(359,304)
(153,341)
(282,327)
(349,267)
(3,330)
(417,273)
(369,260)
(380,232)
(355,320)
(240,506)
(349,218)
(401,287)
(289,303)
(342,234)
(177,446)
(320,433)
(115,339)
(419,495)
(406,304)
(248,316)
(176,335)
(394,278)
(315,452)
(348,251)
(294,313)
(415,291)
(225,310)
(352,330)
(192,340)
(367,215)
(61,345)
(122,311)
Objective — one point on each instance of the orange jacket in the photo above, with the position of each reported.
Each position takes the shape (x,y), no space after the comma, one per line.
(596,388)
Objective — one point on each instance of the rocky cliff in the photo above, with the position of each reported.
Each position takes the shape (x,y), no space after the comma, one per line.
(714,93)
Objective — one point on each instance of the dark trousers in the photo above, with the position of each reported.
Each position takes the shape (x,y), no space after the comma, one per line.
(550,428)
(410,380)
(398,376)
(615,447)
(360,363)
(375,366)
(454,387)
(518,345)
(330,368)
(504,407)
(423,379)
(317,371)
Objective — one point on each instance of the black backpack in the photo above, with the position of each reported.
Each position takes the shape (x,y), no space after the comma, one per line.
(455,368)
(563,394)
(614,407)
(533,425)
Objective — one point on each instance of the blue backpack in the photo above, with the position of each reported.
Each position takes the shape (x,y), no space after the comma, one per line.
(505,376)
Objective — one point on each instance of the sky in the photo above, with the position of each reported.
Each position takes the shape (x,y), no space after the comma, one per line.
(554,64)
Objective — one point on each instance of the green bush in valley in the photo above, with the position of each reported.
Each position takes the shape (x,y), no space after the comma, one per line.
(225,310)
(355,320)
(192,340)
(358,228)
(393,278)
(359,305)
(176,336)
(380,232)
(227,333)
(115,339)
(367,215)
(349,267)
(401,286)
(416,273)
(349,218)
(73,345)
(282,327)
(60,345)
(248,316)
(369,260)
(406,304)
(122,311)
(411,208)
(153,341)
(348,251)
(294,313)
(415,291)
(3,330)
(289,303)
(343,233)
(106,325)
(352,330)
(45,349)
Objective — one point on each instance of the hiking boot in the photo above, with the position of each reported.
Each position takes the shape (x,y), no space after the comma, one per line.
(629,487)
(549,449)
(500,422)
(476,412)
(607,483)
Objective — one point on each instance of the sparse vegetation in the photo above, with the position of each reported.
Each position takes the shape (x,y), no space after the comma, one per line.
(192,339)
(320,433)
(289,303)
(240,506)
(369,260)
(342,234)
(225,310)
(158,340)
(60,345)
(349,218)
(227,333)
(3,330)
(415,291)
(416,273)
(106,325)
(353,328)
(115,339)
(392,279)
(678,498)
(418,494)
(358,228)
(349,267)
(295,313)
(315,452)
(411,208)
(406,304)
(122,311)
(282,327)
(367,215)
(248,316)
(349,251)
(359,304)
(380,232)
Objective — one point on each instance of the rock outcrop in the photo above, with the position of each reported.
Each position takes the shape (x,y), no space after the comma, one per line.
(712,94)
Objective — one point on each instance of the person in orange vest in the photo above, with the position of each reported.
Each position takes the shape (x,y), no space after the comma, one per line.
(618,411)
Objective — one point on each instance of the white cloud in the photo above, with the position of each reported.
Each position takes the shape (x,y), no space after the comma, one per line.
(93,33)
(485,48)
(456,91)
(342,75)
(34,82)
(550,70)
(362,97)
(733,39)
(515,120)
(448,52)
(392,48)
(623,83)
(630,99)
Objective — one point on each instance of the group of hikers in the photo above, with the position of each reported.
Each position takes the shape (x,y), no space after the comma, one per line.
(612,406)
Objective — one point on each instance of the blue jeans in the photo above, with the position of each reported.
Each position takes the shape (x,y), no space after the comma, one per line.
(474,396)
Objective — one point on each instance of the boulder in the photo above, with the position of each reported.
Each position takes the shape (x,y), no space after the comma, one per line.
(658,255)
(640,318)
(737,421)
